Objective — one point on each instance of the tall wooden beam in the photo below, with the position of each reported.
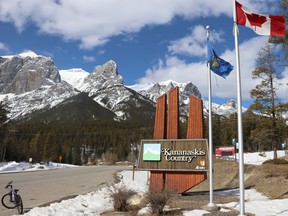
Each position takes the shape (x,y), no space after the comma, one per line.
(173,114)
(195,119)
(160,118)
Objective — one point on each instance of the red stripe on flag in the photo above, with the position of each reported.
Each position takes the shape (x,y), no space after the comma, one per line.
(277,26)
(240,15)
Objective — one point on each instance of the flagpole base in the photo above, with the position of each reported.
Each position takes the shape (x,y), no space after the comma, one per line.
(211,207)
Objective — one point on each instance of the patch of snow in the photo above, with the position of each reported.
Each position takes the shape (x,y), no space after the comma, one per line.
(26,53)
(74,77)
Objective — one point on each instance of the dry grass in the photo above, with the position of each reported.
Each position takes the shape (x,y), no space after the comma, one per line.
(269,179)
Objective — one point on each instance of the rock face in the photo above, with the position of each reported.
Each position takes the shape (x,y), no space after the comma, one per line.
(23,74)
(104,76)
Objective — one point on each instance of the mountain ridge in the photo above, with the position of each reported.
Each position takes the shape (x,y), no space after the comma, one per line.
(37,84)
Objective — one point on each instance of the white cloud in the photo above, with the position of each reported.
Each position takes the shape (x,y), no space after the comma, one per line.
(194,44)
(4,47)
(89,58)
(174,68)
(93,23)
(282,90)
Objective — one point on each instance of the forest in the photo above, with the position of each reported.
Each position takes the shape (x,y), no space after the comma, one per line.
(90,142)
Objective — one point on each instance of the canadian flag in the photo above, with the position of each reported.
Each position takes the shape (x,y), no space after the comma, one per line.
(261,24)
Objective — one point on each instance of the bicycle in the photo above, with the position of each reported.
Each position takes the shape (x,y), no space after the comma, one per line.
(12,199)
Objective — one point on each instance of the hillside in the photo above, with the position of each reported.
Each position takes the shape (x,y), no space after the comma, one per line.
(78,108)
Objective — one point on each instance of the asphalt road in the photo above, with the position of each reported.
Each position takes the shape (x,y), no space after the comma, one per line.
(40,188)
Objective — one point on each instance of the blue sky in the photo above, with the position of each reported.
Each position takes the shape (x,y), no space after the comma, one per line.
(149,40)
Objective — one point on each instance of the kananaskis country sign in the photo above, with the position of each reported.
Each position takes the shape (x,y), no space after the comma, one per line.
(171,155)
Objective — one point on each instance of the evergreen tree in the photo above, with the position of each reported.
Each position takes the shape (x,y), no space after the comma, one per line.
(268,71)
(249,125)
(3,130)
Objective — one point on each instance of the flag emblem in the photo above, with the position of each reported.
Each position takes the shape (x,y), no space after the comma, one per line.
(261,24)
(217,65)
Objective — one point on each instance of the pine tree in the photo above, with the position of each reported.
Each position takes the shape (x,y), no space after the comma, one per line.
(3,130)
(249,125)
(268,71)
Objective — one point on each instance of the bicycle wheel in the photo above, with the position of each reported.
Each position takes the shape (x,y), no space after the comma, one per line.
(8,202)
(19,204)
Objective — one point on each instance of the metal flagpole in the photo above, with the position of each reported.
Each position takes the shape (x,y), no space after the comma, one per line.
(239,110)
(211,204)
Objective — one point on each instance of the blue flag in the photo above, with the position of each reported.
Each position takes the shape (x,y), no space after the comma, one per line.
(217,65)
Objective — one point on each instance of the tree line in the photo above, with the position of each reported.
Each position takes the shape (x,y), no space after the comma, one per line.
(72,143)
(257,131)
(81,142)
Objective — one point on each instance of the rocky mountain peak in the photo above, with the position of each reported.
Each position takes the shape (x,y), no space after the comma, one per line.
(102,76)
(225,109)
(230,103)
(191,89)
(107,70)
(28,53)
(26,72)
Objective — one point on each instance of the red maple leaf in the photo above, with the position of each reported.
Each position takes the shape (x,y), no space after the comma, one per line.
(256,19)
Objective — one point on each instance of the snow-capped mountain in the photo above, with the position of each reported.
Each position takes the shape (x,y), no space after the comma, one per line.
(225,109)
(74,77)
(155,90)
(30,83)
(106,87)
(28,89)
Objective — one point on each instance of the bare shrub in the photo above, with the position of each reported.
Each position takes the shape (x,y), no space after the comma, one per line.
(109,157)
(157,200)
(120,197)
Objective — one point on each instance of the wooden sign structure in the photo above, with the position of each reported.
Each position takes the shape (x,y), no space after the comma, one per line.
(167,127)
(174,155)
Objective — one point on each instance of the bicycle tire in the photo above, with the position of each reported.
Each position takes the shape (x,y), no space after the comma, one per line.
(19,204)
(7,202)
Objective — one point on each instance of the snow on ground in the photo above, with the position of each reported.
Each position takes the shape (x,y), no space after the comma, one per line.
(257,158)
(24,166)
(96,202)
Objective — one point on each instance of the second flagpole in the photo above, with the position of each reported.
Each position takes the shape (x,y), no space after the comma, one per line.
(239,115)
(211,204)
